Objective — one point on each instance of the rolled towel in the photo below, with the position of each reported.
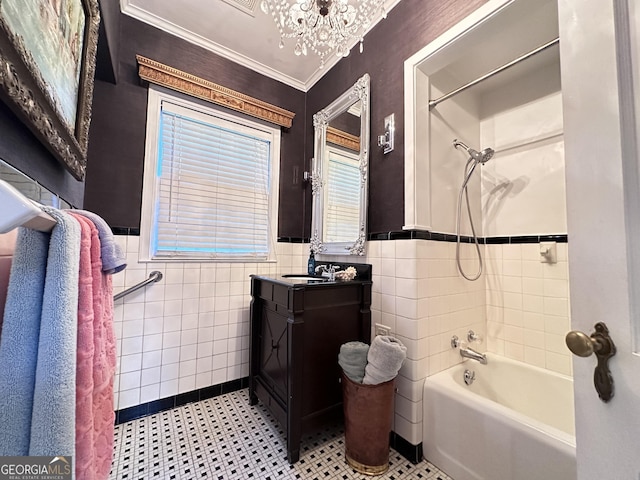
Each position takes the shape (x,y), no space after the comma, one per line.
(353,359)
(384,359)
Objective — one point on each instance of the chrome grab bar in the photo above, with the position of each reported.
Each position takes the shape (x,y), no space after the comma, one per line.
(154,276)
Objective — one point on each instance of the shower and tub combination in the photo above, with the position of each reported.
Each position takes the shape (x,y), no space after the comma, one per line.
(492,417)
(504,411)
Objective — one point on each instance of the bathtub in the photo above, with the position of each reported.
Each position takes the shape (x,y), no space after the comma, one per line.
(514,422)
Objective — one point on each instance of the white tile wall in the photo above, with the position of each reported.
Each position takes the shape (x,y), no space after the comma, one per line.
(528,305)
(519,307)
(418,293)
(191,329)
(523,190)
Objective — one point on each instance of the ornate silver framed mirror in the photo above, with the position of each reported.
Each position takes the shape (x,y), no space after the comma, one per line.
(340,171)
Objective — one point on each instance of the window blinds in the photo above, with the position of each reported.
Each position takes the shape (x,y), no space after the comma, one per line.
(342,219)
(212,187)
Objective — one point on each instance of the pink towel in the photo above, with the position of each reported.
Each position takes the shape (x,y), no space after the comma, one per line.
(96,361)
(7,246)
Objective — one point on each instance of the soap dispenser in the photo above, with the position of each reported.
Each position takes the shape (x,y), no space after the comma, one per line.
(311,265)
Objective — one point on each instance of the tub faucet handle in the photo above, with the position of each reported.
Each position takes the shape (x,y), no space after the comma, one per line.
(473,337)
(455,341)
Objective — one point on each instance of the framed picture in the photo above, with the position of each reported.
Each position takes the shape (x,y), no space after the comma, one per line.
(47,65)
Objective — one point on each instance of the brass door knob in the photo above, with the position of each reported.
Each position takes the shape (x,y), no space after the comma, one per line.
(600,343)
(581,344)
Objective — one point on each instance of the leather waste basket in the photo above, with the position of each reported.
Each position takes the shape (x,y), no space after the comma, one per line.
(368,413)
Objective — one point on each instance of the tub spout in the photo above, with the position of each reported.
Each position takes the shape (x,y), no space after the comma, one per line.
(469,352)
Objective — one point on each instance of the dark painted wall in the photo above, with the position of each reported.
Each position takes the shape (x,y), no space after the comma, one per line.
(21,149)
(411,25)
(116,149)
(116,146)
(107,54)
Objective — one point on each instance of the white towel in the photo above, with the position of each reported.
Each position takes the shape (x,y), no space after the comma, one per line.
(384,360)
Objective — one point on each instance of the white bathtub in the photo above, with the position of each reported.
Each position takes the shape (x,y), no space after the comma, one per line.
(515,422)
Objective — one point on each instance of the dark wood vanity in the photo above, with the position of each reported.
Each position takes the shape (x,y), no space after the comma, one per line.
(297,327)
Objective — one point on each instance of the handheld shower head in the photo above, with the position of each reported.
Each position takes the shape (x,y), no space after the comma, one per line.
(483,157)
(486,155)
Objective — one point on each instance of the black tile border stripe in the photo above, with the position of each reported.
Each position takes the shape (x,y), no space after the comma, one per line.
(554,238)
(411,452)
(150,408)
(294,239)
(135,232)
(448,237)
(410,235)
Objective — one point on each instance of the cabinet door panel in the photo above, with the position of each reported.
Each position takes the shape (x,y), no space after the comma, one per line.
(273,351)
(325,331)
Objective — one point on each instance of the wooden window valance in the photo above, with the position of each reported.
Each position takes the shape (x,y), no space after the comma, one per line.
(169,77)
(344,139)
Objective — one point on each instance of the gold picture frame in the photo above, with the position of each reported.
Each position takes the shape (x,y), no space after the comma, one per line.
(47,67)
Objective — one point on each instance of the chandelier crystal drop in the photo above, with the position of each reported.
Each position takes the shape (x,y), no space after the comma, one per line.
(323,26)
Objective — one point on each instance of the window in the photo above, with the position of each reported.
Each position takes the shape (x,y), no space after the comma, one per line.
(342,207)
(210,186)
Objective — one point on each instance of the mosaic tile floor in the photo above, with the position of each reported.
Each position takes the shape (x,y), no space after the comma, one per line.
(224,438)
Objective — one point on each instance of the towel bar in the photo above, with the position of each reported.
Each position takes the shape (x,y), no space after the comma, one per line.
(17,210)
(154,276)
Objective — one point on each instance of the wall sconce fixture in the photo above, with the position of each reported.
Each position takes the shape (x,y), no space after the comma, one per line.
(323,26)
(387,140)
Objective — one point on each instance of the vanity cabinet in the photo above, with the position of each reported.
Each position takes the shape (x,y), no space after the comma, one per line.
(297,327)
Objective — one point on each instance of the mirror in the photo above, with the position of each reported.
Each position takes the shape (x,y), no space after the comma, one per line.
(339,178)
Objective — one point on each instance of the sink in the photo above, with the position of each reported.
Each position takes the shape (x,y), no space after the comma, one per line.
(303,277)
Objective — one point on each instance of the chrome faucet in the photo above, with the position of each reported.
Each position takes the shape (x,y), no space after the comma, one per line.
(322,270)
(469,352)
(328,271)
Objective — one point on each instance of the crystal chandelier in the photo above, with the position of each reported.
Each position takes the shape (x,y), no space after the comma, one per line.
(322,26)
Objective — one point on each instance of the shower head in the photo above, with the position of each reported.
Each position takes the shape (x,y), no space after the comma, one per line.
(486,155)
(483,157)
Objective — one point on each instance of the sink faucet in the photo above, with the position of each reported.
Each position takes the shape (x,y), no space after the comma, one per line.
(327,271)
(469,352)
(321,269)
